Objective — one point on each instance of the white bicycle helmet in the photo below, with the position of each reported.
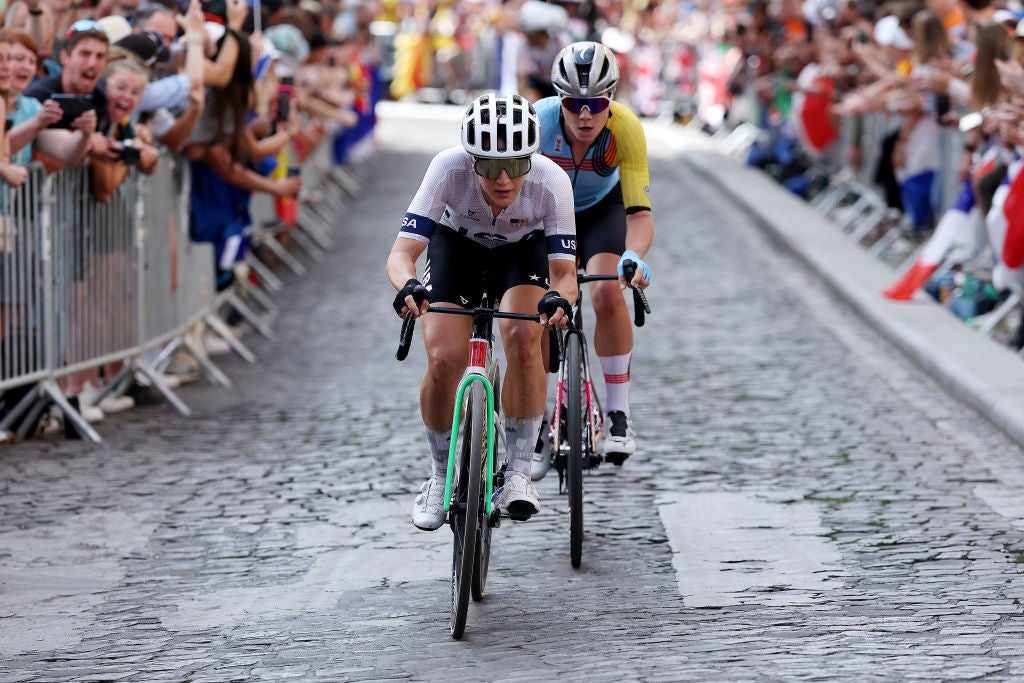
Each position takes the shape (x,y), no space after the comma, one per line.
(500,127)
(585,69)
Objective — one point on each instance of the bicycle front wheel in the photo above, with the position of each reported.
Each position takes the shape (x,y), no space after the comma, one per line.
(466,514)
(483,545)
(574,425)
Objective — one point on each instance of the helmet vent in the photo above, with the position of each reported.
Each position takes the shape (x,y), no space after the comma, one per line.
(583,74)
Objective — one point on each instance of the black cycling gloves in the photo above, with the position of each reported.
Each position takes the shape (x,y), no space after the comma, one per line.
(551,302)
(416,289)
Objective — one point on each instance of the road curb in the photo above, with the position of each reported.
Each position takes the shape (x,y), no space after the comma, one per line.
(976,370)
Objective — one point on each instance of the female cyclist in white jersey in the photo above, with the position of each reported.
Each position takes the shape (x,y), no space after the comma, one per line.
(491,215)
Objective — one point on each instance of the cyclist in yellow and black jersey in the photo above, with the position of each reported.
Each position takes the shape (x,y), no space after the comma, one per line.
(600,143)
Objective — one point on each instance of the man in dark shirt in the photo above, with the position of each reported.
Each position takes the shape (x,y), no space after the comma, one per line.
(83,57)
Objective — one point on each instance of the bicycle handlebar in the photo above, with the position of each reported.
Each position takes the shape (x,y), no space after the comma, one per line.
(483,311)
(405,339)
(409,325)
(584,279)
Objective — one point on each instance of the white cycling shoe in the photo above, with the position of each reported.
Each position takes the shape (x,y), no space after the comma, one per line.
(540,463)
(619,438)
(428,509)
(518,497)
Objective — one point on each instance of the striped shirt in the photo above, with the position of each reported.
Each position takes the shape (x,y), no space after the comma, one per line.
(450,197)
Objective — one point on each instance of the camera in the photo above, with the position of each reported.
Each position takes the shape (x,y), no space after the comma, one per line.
(130,154)
(73,106)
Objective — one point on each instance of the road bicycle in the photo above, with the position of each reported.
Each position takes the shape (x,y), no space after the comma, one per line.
(582,422)
(471,477)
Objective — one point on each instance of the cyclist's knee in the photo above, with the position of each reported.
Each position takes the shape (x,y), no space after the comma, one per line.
(607,298)
(521,340)
(446,360)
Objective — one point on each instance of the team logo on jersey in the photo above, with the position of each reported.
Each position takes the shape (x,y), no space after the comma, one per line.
(558,143)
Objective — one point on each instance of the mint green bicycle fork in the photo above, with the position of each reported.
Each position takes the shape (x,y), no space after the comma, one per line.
(472,376)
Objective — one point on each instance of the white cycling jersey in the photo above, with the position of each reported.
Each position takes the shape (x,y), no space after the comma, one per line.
(450,196)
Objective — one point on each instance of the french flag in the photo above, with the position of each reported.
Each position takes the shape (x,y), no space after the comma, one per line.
(959,236)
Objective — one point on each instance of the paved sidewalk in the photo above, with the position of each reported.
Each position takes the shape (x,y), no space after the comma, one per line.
(977,370)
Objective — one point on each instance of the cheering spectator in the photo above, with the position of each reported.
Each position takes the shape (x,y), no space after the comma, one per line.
(29,121)
(118,147)
(84,56)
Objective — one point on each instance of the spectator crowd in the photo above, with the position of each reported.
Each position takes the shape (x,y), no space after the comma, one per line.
(923,99)
(242,92)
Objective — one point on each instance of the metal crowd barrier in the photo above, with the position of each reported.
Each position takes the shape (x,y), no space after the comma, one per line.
(851,198)
(87,284)
(857,207)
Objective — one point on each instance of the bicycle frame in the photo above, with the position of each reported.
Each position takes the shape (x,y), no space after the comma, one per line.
(595,418)
(479,359)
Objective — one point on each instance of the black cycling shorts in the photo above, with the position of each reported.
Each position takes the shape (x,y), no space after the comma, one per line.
(602,228)
(459,271)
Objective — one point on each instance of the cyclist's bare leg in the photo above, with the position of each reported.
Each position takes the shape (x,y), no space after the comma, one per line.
(613,333)
(525,385)
(446,338)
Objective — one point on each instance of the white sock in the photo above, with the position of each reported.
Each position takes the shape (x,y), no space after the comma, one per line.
(439,442)
(616,382)
(520,438)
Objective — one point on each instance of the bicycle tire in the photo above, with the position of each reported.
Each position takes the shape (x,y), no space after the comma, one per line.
(467,519)
(574,425)
(483,548)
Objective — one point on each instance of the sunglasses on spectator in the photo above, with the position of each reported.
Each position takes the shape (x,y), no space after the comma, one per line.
(595,105)
(84,25)
(492,168)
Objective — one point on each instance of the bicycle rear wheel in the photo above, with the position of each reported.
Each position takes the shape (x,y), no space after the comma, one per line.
(574,426)
(483,546)
(466,513)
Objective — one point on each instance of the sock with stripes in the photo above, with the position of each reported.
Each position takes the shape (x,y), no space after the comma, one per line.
(616,382)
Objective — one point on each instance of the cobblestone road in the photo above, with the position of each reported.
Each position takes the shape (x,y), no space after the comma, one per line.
(806,505)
